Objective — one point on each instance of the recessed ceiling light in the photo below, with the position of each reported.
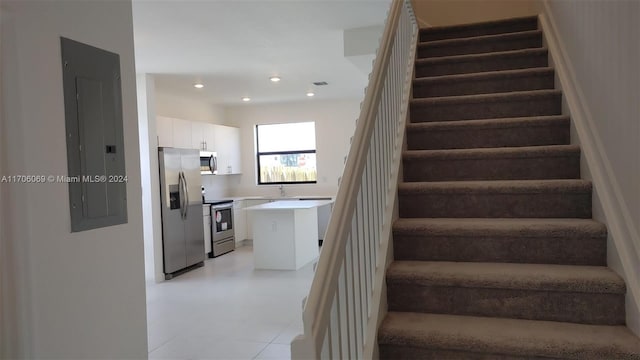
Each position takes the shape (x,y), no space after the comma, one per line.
(310,93)
(275,78)
(246,98)
(198,85)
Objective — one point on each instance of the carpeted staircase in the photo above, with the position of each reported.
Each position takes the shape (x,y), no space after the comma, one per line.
(496,254)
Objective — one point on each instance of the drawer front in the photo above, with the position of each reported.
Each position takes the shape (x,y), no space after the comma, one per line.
(223,246)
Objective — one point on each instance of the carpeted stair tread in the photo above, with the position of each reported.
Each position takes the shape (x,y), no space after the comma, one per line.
(479,29)
(522,227)
(485,98)
(414,335)
(495,199)
(489,133)
(565,278)
(579,294)
(501,240)
(496,186)
(478,124)
(475,63)
(484,82)
(480,44)
(548,151)
(484,106)
(505,163)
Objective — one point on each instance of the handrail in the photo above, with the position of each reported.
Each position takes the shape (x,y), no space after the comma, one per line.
(338,310)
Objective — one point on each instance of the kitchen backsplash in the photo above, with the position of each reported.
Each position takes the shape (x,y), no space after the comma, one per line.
(216,186)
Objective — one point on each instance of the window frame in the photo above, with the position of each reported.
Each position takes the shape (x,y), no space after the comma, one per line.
(288,152)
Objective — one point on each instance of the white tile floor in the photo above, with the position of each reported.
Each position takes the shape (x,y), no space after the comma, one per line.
(227,310)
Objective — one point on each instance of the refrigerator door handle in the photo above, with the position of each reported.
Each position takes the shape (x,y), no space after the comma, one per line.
(182,194)
(186,191)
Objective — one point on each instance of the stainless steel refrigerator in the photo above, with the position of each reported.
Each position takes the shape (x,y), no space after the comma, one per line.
(180,195)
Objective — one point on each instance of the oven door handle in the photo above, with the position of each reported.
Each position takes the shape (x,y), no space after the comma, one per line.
(222,207)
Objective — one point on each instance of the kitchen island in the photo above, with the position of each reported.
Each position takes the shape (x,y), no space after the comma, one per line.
(285,235)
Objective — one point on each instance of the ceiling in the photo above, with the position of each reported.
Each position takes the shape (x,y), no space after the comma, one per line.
(234,46)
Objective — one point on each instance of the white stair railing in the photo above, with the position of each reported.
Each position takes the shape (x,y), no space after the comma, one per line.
(341,313)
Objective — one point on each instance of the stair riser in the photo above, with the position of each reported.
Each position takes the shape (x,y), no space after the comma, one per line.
(567,167)
(469,138)
(444,34)
(583,308)
(495,205)
(395,352)
(507,249)
(503,107)
(484,86)
(475,66)
(480,46)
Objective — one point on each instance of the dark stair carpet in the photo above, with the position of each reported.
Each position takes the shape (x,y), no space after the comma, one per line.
(495,252)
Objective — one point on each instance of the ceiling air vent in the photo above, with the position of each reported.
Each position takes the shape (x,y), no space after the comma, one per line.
(320,83)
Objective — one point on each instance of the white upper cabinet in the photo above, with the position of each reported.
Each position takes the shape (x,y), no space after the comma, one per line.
(227,145)
(202,136)
(197,135)
(182,134)
(173,132)
(224,140)
(165,131)
(209,137)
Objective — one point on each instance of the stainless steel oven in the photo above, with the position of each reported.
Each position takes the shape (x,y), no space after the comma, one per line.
(222,233)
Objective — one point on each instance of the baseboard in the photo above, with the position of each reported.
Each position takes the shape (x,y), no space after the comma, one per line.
(608,196)
(245,242)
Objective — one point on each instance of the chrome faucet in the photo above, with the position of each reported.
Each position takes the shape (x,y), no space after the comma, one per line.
(282,192)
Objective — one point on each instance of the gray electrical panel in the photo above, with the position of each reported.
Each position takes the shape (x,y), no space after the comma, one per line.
(94,132)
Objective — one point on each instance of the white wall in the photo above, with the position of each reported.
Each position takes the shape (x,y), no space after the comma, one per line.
(73,295)
(186,108)
(335,123)
(150,181)
(13,316)
(448,12)
(601,44)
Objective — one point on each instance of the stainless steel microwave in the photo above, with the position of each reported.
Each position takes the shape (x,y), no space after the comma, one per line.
(208,163)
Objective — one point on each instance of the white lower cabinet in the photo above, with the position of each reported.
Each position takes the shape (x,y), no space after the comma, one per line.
(239,226)
(248,217)
(243,219)
(206,211)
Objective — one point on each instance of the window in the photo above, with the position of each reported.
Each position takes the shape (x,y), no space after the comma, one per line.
(287,153)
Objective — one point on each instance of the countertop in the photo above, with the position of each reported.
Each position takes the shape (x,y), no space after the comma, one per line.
(290,205)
